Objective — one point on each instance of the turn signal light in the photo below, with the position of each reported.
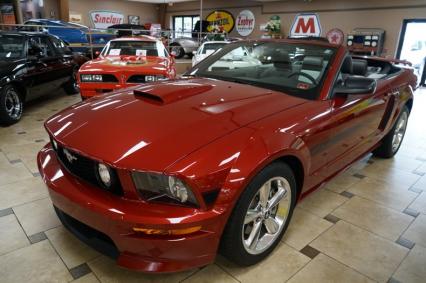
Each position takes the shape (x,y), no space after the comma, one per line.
(183,231)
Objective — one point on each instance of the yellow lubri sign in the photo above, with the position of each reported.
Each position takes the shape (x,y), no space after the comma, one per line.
(221,21)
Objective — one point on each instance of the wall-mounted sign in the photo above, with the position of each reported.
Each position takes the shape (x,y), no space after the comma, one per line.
(134,20)
(306,25)
(76,18)
(104,19)
(335,36)
(220,21)
(245,23)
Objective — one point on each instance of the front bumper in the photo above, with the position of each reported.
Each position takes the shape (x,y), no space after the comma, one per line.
(88,90)
(105,222)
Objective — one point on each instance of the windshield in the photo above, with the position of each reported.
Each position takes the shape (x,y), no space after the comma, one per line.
(209,48)
(134,48)
(11,47)
(295,68)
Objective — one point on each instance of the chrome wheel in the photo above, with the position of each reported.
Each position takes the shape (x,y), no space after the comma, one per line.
(267,215)
(399,132)
(13,104)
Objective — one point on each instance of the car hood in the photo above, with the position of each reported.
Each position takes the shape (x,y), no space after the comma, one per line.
(129,63)
(150,127)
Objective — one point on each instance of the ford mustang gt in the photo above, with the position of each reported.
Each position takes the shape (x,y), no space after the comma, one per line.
(163,176)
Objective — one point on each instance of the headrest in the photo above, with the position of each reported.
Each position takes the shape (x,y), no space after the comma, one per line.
(312,63)
(347,67)
(359,67)
(281,60)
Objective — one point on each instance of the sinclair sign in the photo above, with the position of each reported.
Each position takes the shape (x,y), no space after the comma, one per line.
(104,19)
(306,25)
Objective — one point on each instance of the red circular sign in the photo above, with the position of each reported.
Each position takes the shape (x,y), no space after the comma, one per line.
(335,36)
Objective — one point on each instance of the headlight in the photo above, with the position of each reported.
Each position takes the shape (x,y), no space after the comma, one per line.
(159,186)
(91,78)
(155,78)
(104,174)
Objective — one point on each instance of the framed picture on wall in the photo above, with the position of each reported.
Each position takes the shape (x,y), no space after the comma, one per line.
(134,20)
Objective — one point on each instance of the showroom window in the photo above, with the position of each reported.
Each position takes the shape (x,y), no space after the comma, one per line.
(183,25)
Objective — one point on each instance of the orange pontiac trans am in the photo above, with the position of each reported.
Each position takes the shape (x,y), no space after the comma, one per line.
(126,62)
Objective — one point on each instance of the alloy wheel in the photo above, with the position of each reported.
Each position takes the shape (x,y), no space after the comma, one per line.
(267,215)
(399,132)
(13,104)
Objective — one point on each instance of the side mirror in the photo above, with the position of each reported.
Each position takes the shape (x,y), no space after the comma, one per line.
(97,53)
(356,85)
(194,52)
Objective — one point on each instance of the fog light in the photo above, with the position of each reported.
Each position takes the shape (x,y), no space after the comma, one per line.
(104,174)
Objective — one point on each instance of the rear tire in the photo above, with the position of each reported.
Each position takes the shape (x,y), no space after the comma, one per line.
(393,140)
(71,86)
(11,105)
(255,211)
(179,51)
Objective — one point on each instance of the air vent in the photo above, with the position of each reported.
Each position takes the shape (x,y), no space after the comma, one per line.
(148,97)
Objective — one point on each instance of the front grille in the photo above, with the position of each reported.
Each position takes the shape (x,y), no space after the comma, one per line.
(108,78)
(85,169)
(136,79)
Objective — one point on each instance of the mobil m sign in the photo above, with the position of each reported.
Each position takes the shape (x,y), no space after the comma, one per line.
(306,25)
(104,19)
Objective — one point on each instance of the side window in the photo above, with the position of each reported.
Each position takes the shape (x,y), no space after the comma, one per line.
(41,46)
(60,46)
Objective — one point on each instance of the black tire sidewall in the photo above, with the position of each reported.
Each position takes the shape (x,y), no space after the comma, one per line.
(5,118)
(231,244)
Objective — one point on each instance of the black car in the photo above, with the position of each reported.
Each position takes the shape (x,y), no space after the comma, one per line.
(32,65)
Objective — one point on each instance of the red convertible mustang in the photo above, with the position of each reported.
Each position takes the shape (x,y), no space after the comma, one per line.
(218,160)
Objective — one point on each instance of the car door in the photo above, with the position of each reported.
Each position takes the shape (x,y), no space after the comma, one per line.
(64,64)
(356,121)
(41,67)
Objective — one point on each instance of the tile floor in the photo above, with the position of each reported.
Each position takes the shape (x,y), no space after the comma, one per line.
(366,225)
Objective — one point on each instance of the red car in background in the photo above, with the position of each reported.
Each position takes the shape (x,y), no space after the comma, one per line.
(218,160)
(126,62)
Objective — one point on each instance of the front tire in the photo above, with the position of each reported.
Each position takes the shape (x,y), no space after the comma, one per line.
(261,215)
(393,140)
(11,105)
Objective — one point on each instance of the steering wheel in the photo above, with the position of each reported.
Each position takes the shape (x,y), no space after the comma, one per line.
(309,77)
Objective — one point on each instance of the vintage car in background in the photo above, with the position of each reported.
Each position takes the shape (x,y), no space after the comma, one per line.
(163,176)
(126,62)
(206,49)
(78,37)
(32,65)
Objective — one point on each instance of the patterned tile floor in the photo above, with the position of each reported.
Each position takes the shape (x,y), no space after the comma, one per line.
(366,225)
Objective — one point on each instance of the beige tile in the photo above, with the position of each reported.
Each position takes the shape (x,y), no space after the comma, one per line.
(303,228)
(106,271)
(283,263)
(417,231)
(26,152)
(322,202)
(412,269)
(211,274)
(10,173)
(31,135)
(341,182)
(323,269)
(37,216)
(420,203)
(72,251)
(374,217)
(421,183)
(21,192)
(391,195)
(34,263)
(363,251)
(89,278)
(391,175)
(12,236)
(400,162)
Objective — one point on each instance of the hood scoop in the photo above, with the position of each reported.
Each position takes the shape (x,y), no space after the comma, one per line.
(168,92)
